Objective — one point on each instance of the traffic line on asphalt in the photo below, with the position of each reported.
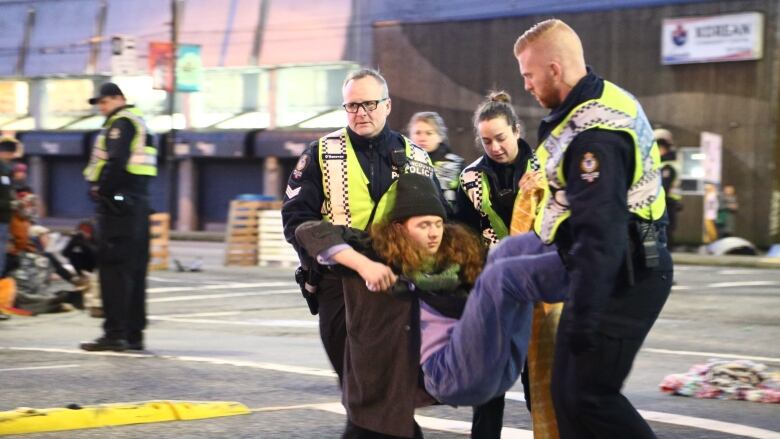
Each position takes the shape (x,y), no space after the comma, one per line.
(56,366)
(233,285)
(301,370)
(219,296)
(709,424)
(263,323)
(440,424)
(202,314)
(668,418)
(713,355)
(701,423)
(754,283)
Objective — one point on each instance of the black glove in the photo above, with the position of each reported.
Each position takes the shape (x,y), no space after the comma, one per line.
(582,340)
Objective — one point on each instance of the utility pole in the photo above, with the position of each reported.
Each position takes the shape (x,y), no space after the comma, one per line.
(171,203)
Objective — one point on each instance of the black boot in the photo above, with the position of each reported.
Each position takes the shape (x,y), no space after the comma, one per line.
(105,344)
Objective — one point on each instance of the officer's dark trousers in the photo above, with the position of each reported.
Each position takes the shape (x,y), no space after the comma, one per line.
(488,419)
(333,327)
(123,256)
(586,387)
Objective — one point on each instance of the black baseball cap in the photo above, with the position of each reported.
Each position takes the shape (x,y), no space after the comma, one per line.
(107,89)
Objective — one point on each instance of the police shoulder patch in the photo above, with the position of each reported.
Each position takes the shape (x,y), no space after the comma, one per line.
(301,166)
(589,165)
(114,133)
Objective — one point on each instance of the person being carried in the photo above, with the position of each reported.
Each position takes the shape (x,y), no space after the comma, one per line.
(472,345)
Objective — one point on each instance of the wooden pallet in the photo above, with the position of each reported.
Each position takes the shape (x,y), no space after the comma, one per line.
(159,231)
(241,233)
(272,248)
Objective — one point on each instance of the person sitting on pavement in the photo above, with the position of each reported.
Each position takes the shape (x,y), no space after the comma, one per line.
(33,275)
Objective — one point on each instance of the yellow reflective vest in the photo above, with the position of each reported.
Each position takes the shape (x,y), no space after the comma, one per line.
(143,158)
(475,184)
(348,201)
(614,110)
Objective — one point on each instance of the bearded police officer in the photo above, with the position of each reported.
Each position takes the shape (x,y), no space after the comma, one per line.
(604,208)
(119,170)
(348,178)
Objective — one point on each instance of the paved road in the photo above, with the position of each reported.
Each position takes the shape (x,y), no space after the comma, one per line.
(243,334)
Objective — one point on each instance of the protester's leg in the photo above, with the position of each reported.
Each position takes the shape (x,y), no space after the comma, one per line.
(519,245)
(488,419)
(333,329)
(488,344)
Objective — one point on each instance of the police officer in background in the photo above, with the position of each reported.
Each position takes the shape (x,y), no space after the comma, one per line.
(670,176)
(348,178)
(604,209)
(119,170)
(428,131)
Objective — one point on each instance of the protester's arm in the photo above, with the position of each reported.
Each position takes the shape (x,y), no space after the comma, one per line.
(597,173)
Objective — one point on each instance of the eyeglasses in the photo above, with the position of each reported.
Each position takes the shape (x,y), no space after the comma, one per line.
(352,107)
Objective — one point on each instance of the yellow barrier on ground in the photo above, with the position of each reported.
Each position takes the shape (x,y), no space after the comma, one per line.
(29,420)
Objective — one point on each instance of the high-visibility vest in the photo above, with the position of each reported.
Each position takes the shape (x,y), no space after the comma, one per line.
(476,186)
(675,192)
(615,110)
(448,172)
(348,201)
(143,158)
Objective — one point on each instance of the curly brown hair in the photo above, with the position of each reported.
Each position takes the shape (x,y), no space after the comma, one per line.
(458,246)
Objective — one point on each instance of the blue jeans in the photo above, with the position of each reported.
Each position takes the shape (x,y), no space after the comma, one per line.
(3,250)
(488,345)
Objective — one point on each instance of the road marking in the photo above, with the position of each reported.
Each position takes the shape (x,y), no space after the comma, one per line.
(735,272)
(219,287)
(700,423)
(713,355)
(516,396)
(755,283)
(219,296)
(709,424)
(57,366)
(680,287)
(201,314)
(424,421)
(431,423)
(265,323)
(301,370)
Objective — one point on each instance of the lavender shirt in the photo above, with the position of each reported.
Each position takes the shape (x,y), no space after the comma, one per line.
(435,330)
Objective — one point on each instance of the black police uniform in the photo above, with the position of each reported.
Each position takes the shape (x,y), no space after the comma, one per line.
(303,202)
(122,236)
(607,316)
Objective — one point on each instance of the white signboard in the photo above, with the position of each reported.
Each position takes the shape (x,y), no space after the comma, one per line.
(717,38)
(124,58)
(711,147)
